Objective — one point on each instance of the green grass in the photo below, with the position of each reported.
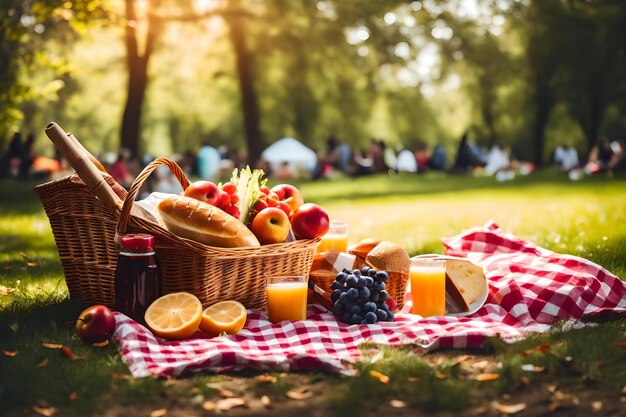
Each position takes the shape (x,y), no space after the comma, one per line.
(586,218)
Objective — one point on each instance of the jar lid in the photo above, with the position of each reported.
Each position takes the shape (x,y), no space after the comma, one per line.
(138,242)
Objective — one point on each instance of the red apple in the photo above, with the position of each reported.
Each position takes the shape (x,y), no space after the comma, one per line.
(290,195)
(204,191)
(95,324)
(309,221)
(270,225)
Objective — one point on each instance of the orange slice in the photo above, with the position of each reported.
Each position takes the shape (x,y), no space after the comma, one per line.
(174,316)
(223,317)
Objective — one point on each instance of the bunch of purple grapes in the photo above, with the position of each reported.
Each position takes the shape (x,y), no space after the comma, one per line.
(359,296)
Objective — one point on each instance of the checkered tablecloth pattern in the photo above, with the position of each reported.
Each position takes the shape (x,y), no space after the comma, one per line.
(530,289)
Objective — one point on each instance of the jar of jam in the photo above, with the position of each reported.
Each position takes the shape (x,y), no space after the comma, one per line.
(137,277)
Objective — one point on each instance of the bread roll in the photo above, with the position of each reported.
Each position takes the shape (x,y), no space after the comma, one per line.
(204,223)
(389,257)
(364,247)
(465,282)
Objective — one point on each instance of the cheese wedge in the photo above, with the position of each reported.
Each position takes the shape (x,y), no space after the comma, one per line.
(465,282)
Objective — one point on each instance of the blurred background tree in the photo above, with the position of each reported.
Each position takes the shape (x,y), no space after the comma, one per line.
(164,76)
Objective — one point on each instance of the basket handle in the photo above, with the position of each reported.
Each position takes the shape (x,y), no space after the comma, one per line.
(122,223)
(79,158)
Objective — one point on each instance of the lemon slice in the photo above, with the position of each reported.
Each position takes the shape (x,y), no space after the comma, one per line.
(174,316)
(223,317)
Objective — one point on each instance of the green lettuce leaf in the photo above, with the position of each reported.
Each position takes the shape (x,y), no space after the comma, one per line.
(248,184)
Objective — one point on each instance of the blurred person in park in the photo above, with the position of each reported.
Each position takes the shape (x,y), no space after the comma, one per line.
(406,161)
(390,157)
(27,156)
(618,160)
(284,172)
(422,157)
(466,159)
(376,153)
(439,159)
(208,162)
(339,157)
(10,160)
(497,160)
(599,157)
(566,157)
(363,164)
(119,170)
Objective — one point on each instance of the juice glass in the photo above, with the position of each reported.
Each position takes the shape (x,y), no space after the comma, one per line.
(335,239)
(428,287)
(286,297)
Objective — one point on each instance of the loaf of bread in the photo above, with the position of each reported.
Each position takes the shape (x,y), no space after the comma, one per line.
(196,220)
(387,256)
(465,282)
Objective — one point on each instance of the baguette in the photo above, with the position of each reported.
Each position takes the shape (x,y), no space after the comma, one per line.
(196,220)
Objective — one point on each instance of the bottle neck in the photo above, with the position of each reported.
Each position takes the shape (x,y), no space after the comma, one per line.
(129,252)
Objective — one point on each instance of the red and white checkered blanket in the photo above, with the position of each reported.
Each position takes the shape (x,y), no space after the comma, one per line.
(530,289)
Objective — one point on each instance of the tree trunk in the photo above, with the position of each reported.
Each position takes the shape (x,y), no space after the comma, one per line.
(543,107)
(249,99)
(137,64)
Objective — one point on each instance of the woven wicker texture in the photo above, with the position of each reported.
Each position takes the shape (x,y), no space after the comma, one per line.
(86,232)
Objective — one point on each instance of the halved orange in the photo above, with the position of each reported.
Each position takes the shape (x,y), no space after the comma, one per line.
(224,317)
(174,316)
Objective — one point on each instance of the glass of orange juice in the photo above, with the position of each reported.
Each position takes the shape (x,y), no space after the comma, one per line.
(336,238)
(286,297)
(428,286)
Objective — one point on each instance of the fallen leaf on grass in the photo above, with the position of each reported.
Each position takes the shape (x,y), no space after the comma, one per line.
(10,353)
(208,405)
(461,359)
(102,344)
(620,345)
(7,267)
(43,363)
(224,393)
(539,348)
(32,264)
(266,378)
(228,403)
(265,400)
(6,290)
(117,375)
(480,365)
(529,367)
(551,389)
(596,406)
(73,396)
(412,379)
(301,394)
(67,352)
(45,411)
(440,375)
(23,254)
(52,345)
(486,377)
(382,378)
(397,404)
(508,408)
(160,412)
(624,390)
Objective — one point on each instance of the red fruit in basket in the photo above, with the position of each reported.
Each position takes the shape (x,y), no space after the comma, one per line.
(284,207)
(265,189)
(234,199)
(309,221)
(95,324)
(204,191)
(290,195)
(230,188)
(270,225)
(233,211)
(260,205)
(224,199)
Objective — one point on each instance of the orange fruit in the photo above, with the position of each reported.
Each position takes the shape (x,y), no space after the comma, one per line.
(174,316)
(224,317)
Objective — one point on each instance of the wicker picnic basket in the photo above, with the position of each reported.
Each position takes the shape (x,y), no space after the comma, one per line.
(86,231)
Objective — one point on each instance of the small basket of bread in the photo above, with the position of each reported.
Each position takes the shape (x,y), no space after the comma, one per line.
(207,248)
(376,254)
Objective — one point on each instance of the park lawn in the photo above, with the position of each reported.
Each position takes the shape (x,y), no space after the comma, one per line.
(586,218)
